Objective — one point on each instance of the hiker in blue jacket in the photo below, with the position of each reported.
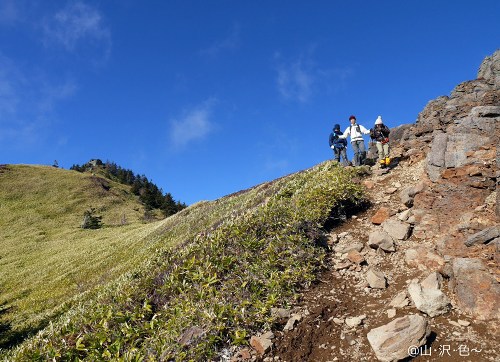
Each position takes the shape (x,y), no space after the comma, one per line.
(358,143)
(338,145)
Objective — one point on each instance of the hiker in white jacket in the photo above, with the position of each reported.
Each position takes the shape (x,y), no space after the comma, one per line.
(358,143)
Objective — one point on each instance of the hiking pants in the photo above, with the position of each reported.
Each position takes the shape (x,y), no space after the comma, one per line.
(383,150)
(341,152)
(358,148)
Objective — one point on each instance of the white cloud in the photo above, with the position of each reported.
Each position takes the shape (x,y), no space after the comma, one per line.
(194,125)
(299,79)
(296,80)
(230,42)
(78,25)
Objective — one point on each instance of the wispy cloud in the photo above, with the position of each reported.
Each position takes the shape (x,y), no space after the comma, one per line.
(195,124)
(295,78)
(298,79)
(230,42)
(78,25)
(27,102)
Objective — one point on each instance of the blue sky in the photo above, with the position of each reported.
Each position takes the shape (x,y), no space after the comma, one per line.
(210,97)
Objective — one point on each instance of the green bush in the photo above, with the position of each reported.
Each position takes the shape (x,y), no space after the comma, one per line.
(90,220)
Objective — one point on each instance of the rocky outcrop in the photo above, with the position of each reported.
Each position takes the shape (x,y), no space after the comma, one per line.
(457,208)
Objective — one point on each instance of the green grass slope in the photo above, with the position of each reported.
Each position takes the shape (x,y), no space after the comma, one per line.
(45,257)
(215,269)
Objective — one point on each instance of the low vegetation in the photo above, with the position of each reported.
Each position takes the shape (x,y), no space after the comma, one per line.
(235,259)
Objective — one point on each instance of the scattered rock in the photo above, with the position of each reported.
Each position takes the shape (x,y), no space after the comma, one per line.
(484,236)
(432,302)
(392,341)
(400,300)
(381,239)
(294,319)
(380,216)
(261,344)
(280,313)
(353,322)
(355,257)
(345,248)
(376,279)
(391,190)
(424,259)
(391,313)
(463,323)
(397,229)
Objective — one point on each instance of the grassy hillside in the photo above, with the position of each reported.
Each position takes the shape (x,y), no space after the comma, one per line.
(45,257)
(218,266)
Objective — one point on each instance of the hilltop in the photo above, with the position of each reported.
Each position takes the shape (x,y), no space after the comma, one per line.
(46,258)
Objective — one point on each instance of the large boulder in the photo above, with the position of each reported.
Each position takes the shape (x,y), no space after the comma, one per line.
(391,342)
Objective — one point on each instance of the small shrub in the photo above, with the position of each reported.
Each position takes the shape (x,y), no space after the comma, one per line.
(91,221)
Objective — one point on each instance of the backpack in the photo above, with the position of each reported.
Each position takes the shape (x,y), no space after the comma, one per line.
(357,128)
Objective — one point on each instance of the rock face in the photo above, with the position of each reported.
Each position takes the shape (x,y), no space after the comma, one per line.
(392,341)
(477,291)
(457,136)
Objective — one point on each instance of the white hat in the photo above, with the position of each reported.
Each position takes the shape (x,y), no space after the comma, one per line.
(379,120)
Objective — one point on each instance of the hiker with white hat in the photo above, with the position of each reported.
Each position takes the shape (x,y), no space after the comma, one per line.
(380,134)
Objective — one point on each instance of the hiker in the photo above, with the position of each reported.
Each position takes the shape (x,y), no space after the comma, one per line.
(380,134)
(358,143)
(338,145)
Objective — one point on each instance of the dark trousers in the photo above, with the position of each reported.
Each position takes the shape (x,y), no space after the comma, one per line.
(358,148)
(340,152)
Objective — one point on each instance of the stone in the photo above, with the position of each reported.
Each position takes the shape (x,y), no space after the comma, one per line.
(381,239)
(380,216)
(369,184)
(392,341)
(391,313)
(477,291)
(376,279)
(345,248)
(280,313)
(260,345)
(190,334)
(484,236)
(400,300)
(397,229)
(424,259)
(290,324)
(355,257)
(432,302)
(353,322)
(463,323)
(391,190)
(405,215)
(433,281)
